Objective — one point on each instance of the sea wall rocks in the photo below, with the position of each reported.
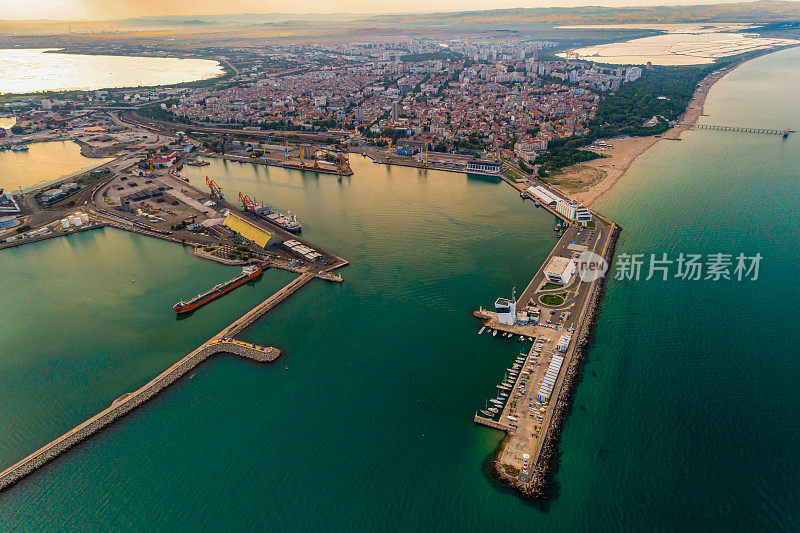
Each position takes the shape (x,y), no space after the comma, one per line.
(539,488)
(129,402)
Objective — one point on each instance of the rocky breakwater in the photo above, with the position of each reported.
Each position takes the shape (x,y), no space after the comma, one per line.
(126,403)
(539,488)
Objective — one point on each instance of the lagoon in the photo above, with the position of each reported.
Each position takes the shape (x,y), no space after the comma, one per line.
(43,163)
(43,69)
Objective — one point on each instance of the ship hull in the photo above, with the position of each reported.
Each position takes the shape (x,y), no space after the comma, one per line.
(194,305)
(291,229)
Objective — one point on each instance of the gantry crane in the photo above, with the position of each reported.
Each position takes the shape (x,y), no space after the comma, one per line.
(216,190)
(247,203)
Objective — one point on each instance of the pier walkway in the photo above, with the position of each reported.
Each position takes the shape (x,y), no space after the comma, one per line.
(259,310)
(740,129)
(223,342)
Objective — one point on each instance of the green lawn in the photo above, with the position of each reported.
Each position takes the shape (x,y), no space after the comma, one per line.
(550,286)
(553,299)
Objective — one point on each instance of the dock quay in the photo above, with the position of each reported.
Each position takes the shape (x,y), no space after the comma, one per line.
(19,240)
(536,392)
(294,165)
(223,342)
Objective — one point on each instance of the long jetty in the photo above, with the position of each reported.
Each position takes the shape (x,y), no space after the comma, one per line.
(741,129)
(259,310)
(525,459)
(220,343)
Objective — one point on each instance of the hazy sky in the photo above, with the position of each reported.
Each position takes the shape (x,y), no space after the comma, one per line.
(113,9)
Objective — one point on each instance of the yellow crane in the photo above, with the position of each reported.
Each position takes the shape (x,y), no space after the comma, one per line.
(425,163)
(344,161)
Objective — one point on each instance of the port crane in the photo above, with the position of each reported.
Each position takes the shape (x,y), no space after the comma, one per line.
(216,190)
(344,161)
(424,163)
(248,204)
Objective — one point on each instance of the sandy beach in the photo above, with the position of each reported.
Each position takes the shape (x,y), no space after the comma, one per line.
(586,182)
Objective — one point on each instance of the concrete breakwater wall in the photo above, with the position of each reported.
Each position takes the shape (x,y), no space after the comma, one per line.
(539,488)
(130,401)
(256,313)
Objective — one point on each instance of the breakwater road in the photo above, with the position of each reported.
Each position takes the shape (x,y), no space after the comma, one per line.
(220,343)
(126,403)
(256,313)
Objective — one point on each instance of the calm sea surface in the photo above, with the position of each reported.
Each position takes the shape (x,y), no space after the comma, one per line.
(35,70)
(43,163)
(687,417)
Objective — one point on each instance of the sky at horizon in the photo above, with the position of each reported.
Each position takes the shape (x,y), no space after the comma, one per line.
(119,9)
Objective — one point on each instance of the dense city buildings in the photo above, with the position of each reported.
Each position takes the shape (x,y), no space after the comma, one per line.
(445,96)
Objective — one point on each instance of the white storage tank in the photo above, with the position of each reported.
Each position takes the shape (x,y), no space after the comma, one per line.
(84,218)
(64,223)
(76,220)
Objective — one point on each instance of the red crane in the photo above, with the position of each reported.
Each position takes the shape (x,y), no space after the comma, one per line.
(216,190)
(247,203)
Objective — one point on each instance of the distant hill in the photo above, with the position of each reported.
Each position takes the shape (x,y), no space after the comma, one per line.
(240,19)
(308,25)
(761,11)
(747,12)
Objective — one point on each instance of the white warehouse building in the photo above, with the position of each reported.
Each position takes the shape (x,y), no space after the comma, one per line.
(543,195)
(574,211)
(560,270)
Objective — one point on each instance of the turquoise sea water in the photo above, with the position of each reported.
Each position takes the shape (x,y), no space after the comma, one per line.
(686,418)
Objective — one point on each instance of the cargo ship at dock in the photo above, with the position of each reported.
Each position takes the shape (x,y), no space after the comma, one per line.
(287,222)
(249,272)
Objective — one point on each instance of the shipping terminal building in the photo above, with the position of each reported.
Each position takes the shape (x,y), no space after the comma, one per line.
(571,209)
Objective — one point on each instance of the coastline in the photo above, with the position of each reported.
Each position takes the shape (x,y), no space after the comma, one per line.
(625,151)
(538,486)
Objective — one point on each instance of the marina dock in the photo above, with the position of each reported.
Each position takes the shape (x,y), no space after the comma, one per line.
(223,342)
(535,393)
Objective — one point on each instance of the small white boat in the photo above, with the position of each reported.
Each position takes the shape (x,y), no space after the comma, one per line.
(481,331)
(494,333)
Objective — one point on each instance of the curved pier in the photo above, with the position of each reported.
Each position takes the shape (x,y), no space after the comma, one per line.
(220,343)
(126,403)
